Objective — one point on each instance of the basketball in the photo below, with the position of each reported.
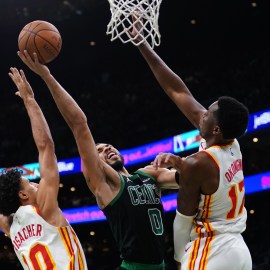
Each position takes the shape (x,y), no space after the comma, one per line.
(40,37)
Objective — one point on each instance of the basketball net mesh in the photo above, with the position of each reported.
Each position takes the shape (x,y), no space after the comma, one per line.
(127,13)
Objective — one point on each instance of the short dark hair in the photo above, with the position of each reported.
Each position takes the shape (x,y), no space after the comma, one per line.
(232,117)
(10,185)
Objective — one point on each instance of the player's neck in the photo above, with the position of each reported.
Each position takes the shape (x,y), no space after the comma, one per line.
(124,172)
(220,141)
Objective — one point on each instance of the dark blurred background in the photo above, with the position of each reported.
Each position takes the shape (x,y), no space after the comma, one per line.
(218,48)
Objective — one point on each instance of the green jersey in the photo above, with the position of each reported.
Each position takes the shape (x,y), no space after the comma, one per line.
(135,216)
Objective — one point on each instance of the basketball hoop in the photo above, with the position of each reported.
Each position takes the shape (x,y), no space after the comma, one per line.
(127,13)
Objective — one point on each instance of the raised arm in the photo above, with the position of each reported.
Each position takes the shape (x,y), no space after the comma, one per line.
(49,183)
(173,85)
(97,173)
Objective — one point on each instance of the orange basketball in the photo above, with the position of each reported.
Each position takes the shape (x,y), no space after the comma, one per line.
(42,38)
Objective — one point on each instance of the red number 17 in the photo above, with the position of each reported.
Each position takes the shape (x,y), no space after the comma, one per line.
(234,194)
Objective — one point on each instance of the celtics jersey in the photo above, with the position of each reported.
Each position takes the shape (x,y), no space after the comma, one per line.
(135,216)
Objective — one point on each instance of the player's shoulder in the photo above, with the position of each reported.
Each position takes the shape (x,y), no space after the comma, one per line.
(196,159)
(197,164)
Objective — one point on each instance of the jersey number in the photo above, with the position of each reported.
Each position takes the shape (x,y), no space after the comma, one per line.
(156,221)
(35,254)
(234,193)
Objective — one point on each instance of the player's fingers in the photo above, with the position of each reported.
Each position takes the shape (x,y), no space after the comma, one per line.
(10,73)
(18,94)
(155,162)
(13,70)
(12,77)
(36,60)
(23,75)
(160,158)
(15,74)
(28,57)
(167,158)
(22,56)
(159,161)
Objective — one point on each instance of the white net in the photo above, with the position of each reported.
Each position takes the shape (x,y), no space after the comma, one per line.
(126,13)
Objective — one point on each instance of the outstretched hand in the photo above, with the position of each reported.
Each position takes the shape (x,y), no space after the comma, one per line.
(137,29)
(167,160)
(34,65)
(24,88)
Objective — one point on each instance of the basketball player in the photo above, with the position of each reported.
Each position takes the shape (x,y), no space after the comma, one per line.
(210,210)
(131,202)
(29,214)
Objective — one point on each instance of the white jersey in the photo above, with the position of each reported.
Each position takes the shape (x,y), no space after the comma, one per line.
(216,241)
(39,245)
(223,211)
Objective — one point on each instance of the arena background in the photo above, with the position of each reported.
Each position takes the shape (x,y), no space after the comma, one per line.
(218,48)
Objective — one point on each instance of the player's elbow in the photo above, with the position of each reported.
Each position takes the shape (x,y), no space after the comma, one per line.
(46,144)
(78,123)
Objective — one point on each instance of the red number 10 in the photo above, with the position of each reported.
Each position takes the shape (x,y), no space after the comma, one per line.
(43,251)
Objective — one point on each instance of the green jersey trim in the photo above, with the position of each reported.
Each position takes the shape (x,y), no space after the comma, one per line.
(147,175)
(120,191)
(140,266)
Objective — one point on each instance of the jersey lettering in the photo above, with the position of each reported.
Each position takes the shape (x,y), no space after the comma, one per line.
(32,230)
(234,168)
(144,194)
